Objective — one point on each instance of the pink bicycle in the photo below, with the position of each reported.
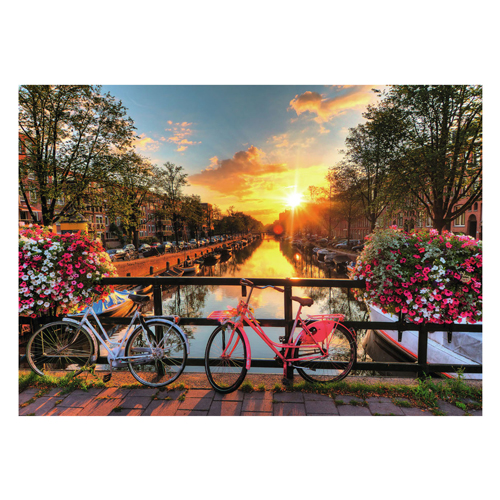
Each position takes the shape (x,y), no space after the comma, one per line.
(323,351)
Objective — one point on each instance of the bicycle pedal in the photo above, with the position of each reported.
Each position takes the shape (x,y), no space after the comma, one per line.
(107,377)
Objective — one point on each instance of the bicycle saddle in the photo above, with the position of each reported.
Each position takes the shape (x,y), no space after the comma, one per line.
(304,301)
(139,299)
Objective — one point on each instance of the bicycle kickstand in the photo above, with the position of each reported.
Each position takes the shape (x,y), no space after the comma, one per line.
(287,379)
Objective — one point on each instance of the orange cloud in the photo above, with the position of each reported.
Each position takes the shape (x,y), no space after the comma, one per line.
(179,133)
(145,143)
(286,142)
(325,108)
(237,175)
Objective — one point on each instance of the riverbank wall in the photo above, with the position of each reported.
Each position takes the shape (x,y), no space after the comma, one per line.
(146,266)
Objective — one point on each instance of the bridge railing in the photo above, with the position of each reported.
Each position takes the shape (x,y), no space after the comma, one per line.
(420,367)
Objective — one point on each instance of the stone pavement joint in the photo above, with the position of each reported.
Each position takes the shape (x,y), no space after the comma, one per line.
(200,401)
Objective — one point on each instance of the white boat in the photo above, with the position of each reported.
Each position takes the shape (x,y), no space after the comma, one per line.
(324,252)
(465,348)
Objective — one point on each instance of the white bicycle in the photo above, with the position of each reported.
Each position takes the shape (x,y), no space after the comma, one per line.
(155,351)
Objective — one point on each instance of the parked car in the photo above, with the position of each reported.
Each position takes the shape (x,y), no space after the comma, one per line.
(358,248)
(144,247)
(348,244)
(129,247)
(339,242)
(116,254)
(194,243)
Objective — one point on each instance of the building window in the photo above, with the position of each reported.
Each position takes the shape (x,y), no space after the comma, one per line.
(460,220)
(475,207)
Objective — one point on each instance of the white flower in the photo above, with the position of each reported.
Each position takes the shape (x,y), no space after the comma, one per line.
(442,260)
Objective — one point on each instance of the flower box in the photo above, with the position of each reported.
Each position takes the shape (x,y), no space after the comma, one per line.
(60,273)
(429,277)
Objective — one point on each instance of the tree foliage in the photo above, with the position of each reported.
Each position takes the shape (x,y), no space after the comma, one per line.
(370,149)
(438,161)
(344,188)
(170,180)
(70,134)
(125,189)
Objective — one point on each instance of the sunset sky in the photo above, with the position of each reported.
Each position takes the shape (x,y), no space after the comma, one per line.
(246,146)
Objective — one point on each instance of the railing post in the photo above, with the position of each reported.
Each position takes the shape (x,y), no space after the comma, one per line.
(422,349)
(288,379)
(288,311)
(158,308)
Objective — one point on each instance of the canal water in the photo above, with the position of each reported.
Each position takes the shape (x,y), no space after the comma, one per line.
(267,258)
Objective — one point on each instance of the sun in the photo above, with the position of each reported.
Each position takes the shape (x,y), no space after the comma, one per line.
(294,199)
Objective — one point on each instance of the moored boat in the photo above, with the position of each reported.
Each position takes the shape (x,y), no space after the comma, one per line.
(186,270)
(117,304)
(323,252)
(175,271)
(465,348)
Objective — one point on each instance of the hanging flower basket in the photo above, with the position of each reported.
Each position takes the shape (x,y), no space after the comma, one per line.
(60,273)
(427,276)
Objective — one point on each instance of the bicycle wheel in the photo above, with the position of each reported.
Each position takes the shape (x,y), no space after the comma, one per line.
(333,367)
(225,359)
(60,346)
(157,361)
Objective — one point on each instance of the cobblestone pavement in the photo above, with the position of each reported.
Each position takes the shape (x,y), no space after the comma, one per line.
(116,401)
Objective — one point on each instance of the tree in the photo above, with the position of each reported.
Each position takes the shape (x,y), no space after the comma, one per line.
(345,193)
(439,159)
(371,147)
(125,190)
(169,182)
(70,134)
(193,214)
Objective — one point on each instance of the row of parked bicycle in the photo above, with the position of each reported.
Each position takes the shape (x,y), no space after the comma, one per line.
(129,252)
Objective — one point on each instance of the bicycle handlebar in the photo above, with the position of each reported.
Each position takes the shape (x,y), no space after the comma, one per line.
(246,282)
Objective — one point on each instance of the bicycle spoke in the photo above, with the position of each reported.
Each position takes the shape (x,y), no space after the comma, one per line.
(156,361)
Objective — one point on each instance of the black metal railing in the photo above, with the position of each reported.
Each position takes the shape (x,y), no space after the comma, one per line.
(420,367)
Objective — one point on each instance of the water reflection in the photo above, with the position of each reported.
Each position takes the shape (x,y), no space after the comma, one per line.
(266,258)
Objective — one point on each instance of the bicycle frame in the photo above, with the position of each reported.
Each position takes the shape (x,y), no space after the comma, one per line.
(246,317)
(116,348)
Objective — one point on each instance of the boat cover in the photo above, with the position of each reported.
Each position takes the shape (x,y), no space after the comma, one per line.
(112,301)
(464,348)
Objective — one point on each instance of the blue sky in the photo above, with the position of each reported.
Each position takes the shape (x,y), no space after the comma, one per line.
(245,146)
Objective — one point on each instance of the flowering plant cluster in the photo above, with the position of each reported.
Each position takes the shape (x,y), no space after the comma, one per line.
(428,276)
(60,272)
